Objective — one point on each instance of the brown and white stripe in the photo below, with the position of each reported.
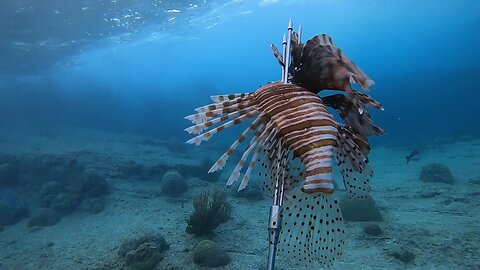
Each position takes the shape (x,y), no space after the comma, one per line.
(280,111)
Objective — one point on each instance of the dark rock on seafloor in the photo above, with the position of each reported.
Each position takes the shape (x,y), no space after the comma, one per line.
(64,203)
(43,217)
(436,172)
(373,230)
(143,253)
(173,184)
(12,210)
(360,210)
(93,205)
(51,188)
(94,186)
(8,174)
(55,182)
(402,253)
(210,254)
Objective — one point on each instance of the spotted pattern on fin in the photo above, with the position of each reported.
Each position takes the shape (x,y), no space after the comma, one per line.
(312,229)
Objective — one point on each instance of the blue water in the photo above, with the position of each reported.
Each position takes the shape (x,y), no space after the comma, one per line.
(423,56)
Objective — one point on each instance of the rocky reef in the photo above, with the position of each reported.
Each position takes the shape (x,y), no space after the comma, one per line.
(48,187)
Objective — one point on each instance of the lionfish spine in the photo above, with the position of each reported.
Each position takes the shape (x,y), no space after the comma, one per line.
(220,163)
(207,135)
(254,141)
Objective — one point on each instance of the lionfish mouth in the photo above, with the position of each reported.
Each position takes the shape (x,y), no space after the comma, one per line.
(291,128)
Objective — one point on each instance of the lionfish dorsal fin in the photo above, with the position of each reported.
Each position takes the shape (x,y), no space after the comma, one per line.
(278,55)
(322,39)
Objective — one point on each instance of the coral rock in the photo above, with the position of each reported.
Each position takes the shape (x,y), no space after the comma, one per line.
(43,217)
(143,253)
(210,254)
(436,172)
(12,209)
(173,184)
(93,205)
(360,210)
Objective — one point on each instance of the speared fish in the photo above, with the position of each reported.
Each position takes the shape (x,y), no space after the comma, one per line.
(290,128)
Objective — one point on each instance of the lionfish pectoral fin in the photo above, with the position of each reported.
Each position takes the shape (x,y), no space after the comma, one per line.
(254,142)
(354,166)
(312,229)
(229,97)
(246,177)
(207,135)
(357,183)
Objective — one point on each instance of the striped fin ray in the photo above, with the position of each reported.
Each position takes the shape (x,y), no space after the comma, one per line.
(322,40)
(267,172)
(213,110)
(350,150)
(251,165)
(220,163)
(230,97)
(277,55)
(322,65)
(351,109)
(356,73)
(261,139)
(197,129)
(207,135)
(357,183)
(217,105)
(353,164)
(254,141)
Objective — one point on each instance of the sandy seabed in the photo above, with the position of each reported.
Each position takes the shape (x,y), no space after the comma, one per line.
(442,230)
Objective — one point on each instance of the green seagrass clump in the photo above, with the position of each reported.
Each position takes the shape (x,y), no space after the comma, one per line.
(210,210)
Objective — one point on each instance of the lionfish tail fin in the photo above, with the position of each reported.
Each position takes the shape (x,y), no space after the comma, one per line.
(312,229)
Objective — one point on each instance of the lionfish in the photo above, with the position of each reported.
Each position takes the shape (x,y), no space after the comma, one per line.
(291,127)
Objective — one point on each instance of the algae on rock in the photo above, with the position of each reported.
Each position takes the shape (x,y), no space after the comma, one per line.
(211,208)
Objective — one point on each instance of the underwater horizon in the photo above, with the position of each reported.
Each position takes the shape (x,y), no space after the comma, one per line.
(94,164)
